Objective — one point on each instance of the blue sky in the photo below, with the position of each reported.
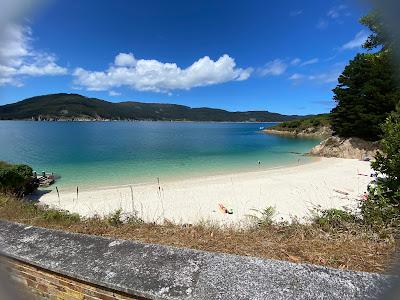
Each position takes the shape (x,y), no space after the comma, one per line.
(237,55)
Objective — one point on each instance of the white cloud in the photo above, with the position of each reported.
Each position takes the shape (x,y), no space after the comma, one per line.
(273,68)
(18,59)
(295,13)
(114,93)
(309,62)
(125,60)
(338,11)
(334,15)
(156,76)
(358,40)
(322,24)
(296,61)
(296,76)
(327,77)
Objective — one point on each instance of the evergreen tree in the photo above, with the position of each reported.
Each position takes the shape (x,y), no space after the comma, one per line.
(368,87)
(366,94)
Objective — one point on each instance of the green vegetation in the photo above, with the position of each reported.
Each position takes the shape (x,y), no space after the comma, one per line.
(368,88)
(263,217)
(383,204)
(12,207)
(334,218)
(367,93)
(115,218)
(75,107)
(333,246)
(310,124)
(380,211)
(16,179)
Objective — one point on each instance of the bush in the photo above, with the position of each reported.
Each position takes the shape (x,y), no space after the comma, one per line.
(263,217)
(54,215)
(133,218)
(383,204)
(114,218)
(16,179)
(334,218)
(379,210)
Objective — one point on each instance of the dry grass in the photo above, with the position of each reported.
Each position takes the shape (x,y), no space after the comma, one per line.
(354,248)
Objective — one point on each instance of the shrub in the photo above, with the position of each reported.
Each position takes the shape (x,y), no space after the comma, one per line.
(263,217)
(334,218)
(114,218)
(54,215)
(383,204)
(379,210)
(16,179)
(133,218)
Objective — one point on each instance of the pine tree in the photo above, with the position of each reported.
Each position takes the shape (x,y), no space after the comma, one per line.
(366,94)
(368,88)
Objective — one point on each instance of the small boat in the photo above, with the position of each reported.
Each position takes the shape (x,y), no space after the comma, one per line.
(261,127)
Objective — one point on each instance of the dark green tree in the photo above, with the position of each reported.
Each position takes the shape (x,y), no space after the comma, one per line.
(366,94)
(378,37)
(368,88)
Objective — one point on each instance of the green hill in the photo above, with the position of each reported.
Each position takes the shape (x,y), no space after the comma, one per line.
(78,107)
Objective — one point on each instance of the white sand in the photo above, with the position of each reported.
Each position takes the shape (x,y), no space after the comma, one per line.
(293,191)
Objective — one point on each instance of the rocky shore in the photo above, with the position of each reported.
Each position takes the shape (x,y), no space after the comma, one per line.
(335,146)
(311,132)
(332,146)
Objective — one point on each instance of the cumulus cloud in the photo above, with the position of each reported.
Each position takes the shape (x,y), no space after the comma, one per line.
(125,60)
(18,59)
(153,75)
(273,68)
(358,40)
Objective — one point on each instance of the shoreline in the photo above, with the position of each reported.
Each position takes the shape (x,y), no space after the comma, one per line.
(136,121)
(192,177)
(301,134)
(292,190)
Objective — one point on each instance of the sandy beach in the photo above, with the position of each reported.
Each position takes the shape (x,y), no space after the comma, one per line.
(293,191)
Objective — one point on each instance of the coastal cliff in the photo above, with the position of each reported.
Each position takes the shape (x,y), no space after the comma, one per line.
(335,146)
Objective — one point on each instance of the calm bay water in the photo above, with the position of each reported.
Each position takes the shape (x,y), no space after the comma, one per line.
(109,153)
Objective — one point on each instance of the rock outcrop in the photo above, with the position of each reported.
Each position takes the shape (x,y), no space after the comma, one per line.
(345,148)
(312,132)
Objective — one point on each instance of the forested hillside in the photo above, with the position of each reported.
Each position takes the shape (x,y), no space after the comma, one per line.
(77,107)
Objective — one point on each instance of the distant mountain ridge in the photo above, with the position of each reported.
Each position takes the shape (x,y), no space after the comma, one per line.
(75,107)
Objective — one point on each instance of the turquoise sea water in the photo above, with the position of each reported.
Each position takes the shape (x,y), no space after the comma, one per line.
(110,153)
